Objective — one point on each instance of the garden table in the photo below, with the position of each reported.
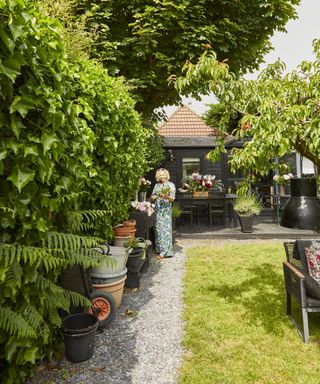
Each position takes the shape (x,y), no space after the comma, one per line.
(230,198)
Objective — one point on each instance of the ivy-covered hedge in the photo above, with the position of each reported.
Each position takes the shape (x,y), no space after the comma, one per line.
(65,128)
(71,141)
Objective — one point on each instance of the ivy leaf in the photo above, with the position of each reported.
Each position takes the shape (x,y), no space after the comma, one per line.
(6,40)
(21,178)
(3,154)
(16,30)
(47,140)
(16,125)
(18,105)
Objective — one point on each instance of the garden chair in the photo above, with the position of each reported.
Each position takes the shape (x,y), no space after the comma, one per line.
(217,206)
(185,202)
(300,285)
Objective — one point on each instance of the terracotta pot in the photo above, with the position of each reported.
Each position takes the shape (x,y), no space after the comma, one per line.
(132,233)
(121,231)
(115,288)
(130,223)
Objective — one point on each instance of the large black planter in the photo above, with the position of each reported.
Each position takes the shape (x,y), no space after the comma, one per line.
(302,210)
(246,223)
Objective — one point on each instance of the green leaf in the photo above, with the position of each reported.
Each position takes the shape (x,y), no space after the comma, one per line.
(30,355)
(47,140)
(30,150)
(9,72)
(21,178)
(6,40)
(18,105)
(16,30)
(16,125)
(3,154)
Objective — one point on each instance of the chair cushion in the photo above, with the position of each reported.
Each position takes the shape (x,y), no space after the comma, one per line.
(313,260)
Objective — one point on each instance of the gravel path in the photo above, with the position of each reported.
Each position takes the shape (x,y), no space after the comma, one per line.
(142,345)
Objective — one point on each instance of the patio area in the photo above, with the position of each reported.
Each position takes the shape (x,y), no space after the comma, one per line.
(263,228)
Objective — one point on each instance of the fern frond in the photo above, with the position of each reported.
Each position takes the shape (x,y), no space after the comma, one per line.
(14,324)
(77,299)
(32,316)
(78,221)
(69,242)
(11,253)
(85,257)
(56,300)
(44,284)
(14,275)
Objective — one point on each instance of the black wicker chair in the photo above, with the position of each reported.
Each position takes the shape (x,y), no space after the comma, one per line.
(299,285)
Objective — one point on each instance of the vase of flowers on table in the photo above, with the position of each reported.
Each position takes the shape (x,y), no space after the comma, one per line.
(144,185)
(283,180)
(200,185)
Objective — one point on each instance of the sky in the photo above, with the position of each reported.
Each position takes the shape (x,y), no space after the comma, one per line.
(291,47)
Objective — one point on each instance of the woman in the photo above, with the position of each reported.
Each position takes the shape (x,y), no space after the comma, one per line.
(163,195)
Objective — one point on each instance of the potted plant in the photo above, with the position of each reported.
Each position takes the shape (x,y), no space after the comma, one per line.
(144,185)
(282,180)
(176,213)
(200,185)
(246,207)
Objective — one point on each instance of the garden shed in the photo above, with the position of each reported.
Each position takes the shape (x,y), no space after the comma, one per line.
(187,140)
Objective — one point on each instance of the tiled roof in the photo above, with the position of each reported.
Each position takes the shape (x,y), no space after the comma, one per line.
(184,122)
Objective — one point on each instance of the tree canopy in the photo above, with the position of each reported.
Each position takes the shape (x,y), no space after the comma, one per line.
(147,41)
(279,111)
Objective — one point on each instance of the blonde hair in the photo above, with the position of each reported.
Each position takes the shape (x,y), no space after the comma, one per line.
(162,170)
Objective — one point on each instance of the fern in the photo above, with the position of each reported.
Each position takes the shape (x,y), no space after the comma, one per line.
(44,284)
(69,242)
(14,324)
(32,316)
(77,299)
(83,221)
(11,253)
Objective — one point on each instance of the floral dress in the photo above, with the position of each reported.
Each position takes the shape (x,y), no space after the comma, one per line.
(163,220)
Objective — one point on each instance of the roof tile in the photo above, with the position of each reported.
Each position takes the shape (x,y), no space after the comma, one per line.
(184,123)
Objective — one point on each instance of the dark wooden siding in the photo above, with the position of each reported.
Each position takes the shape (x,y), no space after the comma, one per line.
(175,167)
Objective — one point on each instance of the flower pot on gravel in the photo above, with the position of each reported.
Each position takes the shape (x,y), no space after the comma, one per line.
(113,287)
(136,259)
(122,231)
(79,332)
(119,255)
(121,241)
(130,223)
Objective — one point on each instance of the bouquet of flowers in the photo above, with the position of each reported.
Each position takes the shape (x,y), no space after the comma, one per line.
(165,191)
(143,206)
(144,184)
(283,179)
(197,182)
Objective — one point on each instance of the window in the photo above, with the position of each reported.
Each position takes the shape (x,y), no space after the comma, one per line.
(307,167)
(190,165)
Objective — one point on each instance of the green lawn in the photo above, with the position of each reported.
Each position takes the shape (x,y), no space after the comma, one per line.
(236,330)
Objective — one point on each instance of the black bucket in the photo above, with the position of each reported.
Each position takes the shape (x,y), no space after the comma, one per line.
(79,336)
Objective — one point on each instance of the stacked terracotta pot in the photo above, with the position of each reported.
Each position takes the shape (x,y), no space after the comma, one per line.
(123,232)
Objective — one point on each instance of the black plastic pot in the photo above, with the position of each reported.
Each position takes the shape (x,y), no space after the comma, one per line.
(79,336)
(246,223)
(302,210)
(136,260)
